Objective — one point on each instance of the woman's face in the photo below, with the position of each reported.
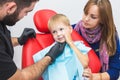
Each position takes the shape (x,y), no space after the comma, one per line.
(91,19)
(58,31)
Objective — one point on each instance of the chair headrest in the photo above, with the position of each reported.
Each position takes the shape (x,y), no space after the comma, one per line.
(41,18)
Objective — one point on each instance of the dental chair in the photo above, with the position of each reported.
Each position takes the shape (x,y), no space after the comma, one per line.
(44,39)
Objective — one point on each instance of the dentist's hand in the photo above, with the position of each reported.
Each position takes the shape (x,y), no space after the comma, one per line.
(27,33)
(56,50)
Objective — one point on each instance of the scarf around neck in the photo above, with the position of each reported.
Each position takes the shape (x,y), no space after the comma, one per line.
(93,36)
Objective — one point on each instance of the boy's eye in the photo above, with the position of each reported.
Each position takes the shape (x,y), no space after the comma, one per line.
(54,32)
(61,29)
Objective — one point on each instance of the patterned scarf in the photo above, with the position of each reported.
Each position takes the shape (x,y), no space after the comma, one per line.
(93,36)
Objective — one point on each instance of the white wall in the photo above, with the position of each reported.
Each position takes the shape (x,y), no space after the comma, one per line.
(71,8)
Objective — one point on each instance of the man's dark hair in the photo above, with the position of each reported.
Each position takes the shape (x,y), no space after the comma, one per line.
(24,3)
(20,3)
(4,1)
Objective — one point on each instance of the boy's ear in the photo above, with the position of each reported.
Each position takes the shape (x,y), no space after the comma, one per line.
(11,7)
(71,29)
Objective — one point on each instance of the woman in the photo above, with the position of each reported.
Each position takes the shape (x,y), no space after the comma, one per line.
(98,29)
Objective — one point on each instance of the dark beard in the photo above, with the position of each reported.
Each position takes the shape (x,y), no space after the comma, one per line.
(10,20)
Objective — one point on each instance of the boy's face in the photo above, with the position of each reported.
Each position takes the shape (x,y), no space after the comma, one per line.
(58,30)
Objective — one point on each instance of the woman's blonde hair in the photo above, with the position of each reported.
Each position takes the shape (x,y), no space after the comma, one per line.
(107,23)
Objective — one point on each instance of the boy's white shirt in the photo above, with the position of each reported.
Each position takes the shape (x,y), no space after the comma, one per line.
(66,66)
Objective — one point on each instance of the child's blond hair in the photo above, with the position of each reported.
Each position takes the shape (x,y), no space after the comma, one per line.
(58,18)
